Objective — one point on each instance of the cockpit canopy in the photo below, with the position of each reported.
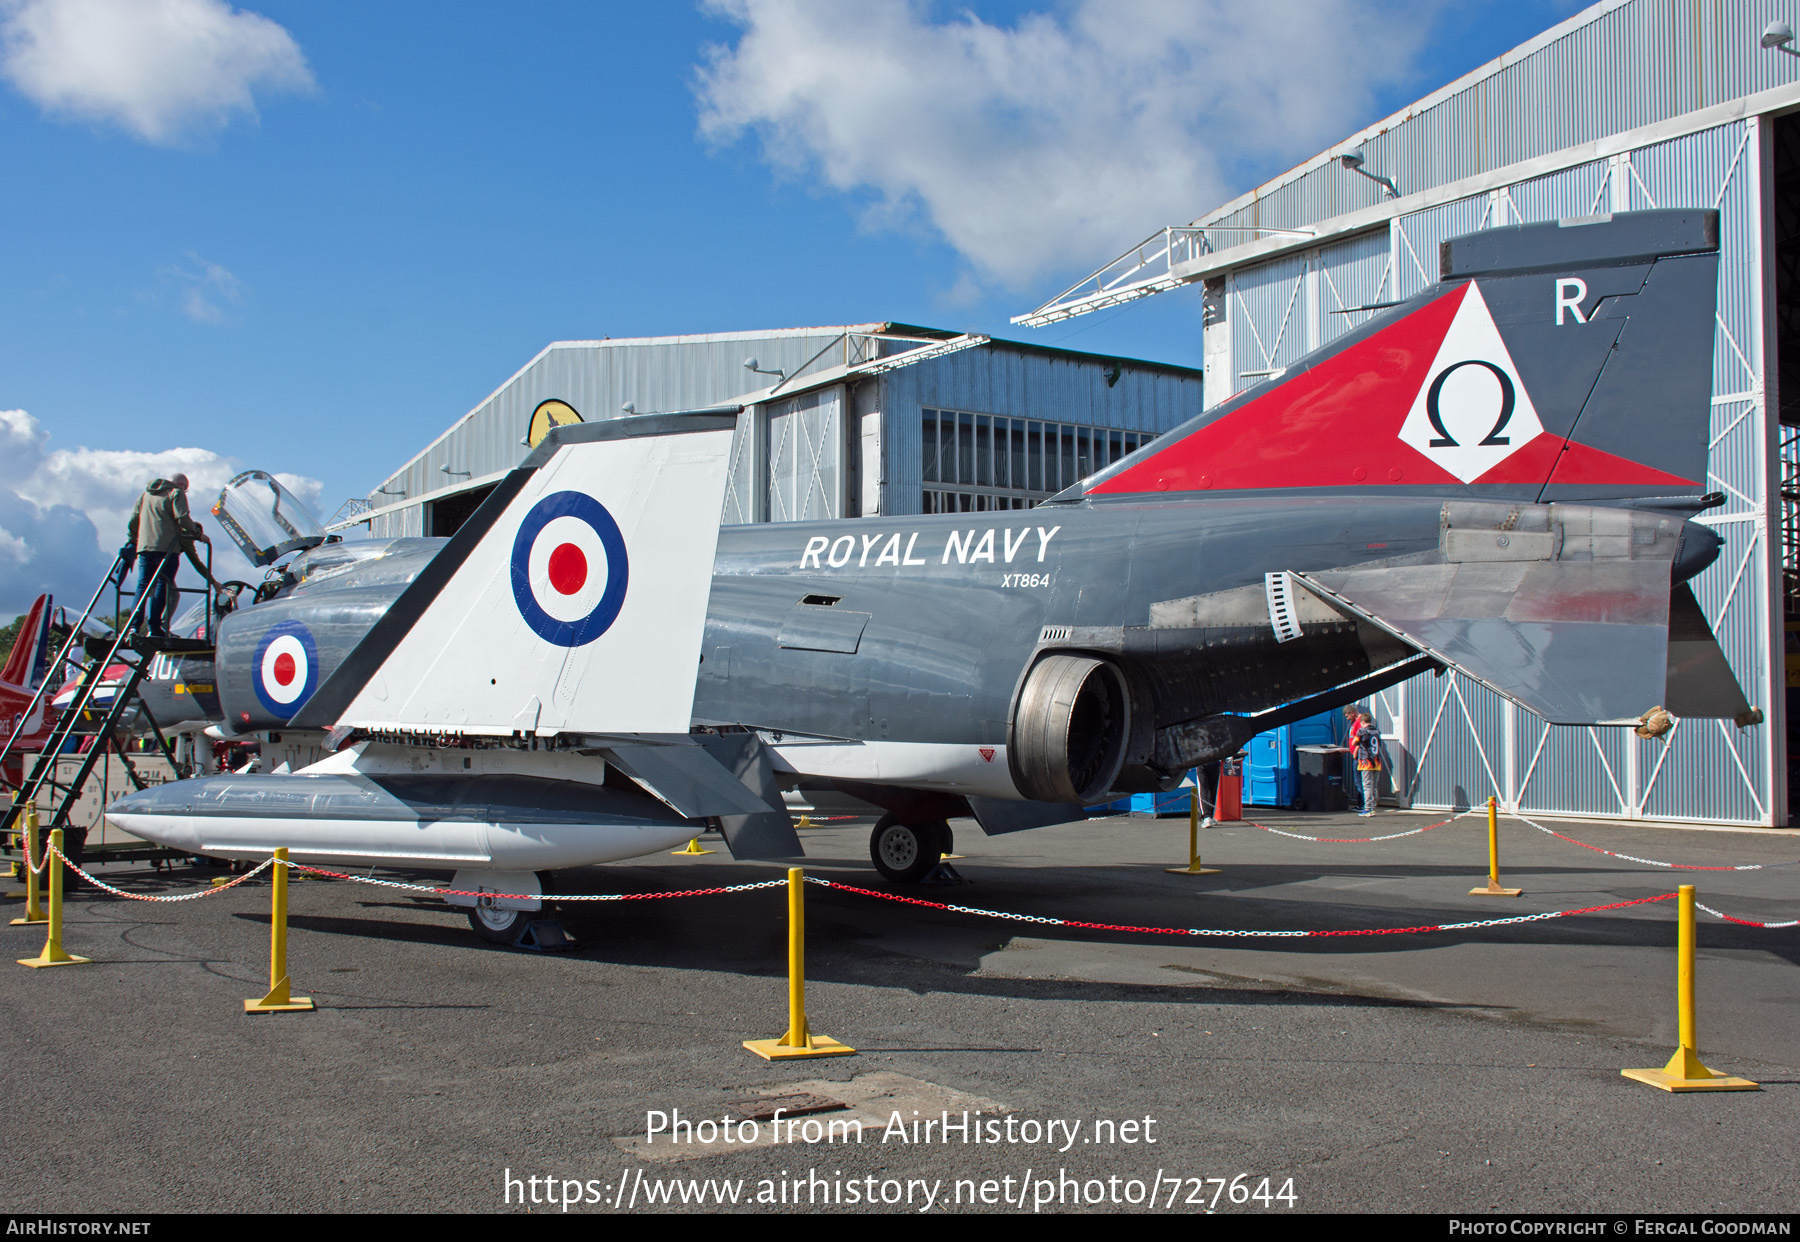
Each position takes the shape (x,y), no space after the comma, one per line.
(265,519)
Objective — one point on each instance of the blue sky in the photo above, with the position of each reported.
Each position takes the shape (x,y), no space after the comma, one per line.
(311,245)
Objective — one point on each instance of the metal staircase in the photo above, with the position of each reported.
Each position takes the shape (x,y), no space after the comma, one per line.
(87,730)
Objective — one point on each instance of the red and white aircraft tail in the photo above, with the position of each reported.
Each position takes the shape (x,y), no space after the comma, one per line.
(30,659)
(24,672)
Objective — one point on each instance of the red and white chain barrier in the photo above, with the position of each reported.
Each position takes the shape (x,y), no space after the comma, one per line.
(1745,922)
(458,892)
(909,901)
(1214,931)
(97,882)
(1392,836)
(25,849)
(1648,862)
(1652,862)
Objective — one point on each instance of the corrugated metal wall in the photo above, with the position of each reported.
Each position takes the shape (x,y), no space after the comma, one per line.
(1269,319)
(1619,67)
(807,453)
(747,488)
(597,378)
(1353,274)
(1020,383)
(797,459)
(1281,310)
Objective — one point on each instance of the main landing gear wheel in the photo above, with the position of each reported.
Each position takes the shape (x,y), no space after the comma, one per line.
(907,853)
(498,926)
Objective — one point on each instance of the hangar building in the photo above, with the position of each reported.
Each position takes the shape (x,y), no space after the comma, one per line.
(837,422)
(1630,104)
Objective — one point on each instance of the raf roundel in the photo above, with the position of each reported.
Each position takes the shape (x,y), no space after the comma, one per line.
(569,569)
(286,668)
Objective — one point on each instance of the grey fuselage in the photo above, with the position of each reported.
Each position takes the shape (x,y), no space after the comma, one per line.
(947,639)
(922,629)
(924,625)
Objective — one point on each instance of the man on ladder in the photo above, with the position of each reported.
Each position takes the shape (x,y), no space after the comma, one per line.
(158,528)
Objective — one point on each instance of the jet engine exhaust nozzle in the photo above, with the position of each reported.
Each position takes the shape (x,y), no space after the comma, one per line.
(1070,729)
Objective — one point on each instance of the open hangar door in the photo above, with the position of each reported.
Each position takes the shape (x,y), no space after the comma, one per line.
(1784,203)
(445,516)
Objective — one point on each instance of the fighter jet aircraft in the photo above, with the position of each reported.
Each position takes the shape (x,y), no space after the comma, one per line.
(1496,476)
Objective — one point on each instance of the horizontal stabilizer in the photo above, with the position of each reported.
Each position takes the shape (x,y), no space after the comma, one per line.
(1575,642)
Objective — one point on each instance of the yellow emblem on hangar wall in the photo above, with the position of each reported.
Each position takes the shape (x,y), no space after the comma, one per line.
(549,415)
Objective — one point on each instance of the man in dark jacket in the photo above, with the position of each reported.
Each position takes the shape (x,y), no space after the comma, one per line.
(158,526)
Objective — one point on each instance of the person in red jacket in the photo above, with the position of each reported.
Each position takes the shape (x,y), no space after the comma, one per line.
(1367,749)
(1352,785)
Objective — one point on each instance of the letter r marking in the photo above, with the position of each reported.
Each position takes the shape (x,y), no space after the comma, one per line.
(1571,291)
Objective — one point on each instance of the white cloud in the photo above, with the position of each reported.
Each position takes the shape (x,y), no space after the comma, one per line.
(308,490)
(206,288)
(21,443)
(1059,140)
(162,69)
(67,509)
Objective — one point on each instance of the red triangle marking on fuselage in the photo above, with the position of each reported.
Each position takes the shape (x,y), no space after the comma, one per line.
(1532,464)
(1586,466)
(1336,425)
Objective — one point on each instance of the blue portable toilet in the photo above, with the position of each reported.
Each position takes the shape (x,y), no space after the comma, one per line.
(1175,801)
(1272,771)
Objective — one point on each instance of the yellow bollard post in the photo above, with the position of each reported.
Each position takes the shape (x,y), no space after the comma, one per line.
(799,1042)
(1193,867)
(692,847)
(53,954)
(1684,1071)
(278,1000)
(1493,888)
(34,913)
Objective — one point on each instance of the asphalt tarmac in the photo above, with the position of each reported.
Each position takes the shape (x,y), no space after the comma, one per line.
(1464,1071)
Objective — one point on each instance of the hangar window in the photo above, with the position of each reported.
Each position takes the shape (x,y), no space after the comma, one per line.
(979,462)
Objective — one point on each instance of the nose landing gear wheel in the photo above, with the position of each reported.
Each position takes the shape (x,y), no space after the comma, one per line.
(497,926)
(907,853)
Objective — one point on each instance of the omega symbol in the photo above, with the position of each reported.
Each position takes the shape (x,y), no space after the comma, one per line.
(1444,439)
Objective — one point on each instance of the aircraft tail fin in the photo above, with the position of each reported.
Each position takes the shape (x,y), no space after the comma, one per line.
(572,601)
(1568,360)
(30,659)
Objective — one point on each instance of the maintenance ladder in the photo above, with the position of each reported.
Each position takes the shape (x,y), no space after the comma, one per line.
(83,720)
